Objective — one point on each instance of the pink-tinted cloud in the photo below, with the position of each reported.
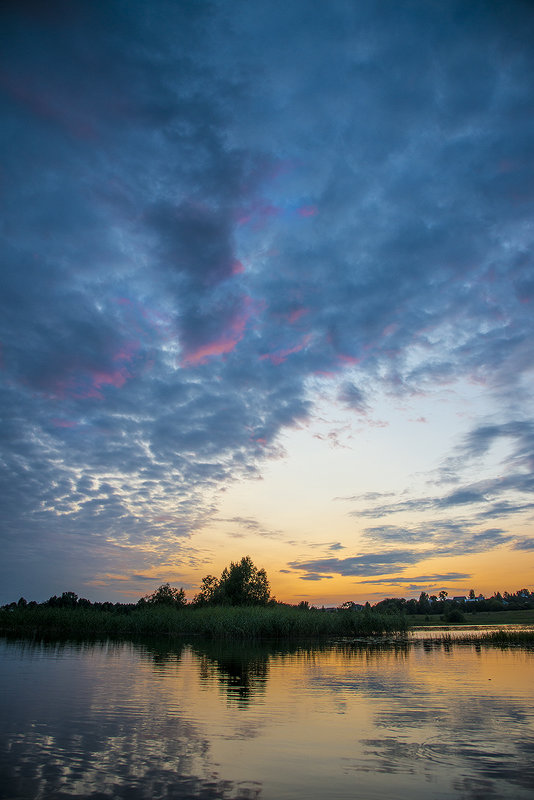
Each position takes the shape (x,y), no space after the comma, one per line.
(139,328)
(307,211)
(228,338)
(64,423)
(49,104)
(296,314)
(117,378)
(279,356)
(85,384)
(258,214)
(218,347)
(390,329)
(237,268)
(346,359)
(128,351)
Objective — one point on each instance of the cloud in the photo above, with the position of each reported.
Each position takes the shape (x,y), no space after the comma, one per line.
(427,540)
(337,546)
(415,581)
(352,396)
(446,538)
(524,544)
(247,525)
(368,564)
(208,208)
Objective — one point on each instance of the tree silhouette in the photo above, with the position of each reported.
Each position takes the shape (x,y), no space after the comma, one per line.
(166,595)
(240,584)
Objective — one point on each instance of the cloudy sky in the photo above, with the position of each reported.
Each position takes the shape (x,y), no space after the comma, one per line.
(267,288)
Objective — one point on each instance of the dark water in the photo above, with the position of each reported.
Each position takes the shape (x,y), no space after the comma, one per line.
(152,720)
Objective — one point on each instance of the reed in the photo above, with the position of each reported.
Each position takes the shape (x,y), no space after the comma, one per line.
(213,622)
(509,637)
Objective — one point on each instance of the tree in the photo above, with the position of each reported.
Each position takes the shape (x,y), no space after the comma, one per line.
(471,594)
(208,588)
(349,605)
(443,595)
(423,604)
(69,600)
(240,584)
(166,595)
(391,605)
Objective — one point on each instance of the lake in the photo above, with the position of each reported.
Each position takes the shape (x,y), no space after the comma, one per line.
(417,719)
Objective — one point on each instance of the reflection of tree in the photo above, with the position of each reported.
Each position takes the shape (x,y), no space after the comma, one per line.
(162,652)
(241,670)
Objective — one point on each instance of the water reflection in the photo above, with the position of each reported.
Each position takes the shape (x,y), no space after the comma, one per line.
(202,719)
(241,670)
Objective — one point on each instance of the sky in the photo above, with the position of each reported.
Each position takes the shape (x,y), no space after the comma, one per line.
(267,289)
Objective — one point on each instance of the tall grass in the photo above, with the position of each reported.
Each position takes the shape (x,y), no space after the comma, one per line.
(509,637)
(216,622)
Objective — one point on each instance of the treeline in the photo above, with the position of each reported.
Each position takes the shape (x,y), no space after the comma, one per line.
(443,604)
(238,605)
(240,584)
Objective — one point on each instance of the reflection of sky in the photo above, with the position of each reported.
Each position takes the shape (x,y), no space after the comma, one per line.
(151,721)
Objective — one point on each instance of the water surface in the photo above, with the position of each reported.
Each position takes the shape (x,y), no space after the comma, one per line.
(424,719)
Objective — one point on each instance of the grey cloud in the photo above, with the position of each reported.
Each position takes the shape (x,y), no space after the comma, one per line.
(353,397)
(490,495)
(367,496)
(524,544)
(250,525)
(399,580)
(204,208)
(430,539)
(368,564)
(446,538)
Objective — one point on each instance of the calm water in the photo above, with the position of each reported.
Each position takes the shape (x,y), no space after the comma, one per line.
(122,720)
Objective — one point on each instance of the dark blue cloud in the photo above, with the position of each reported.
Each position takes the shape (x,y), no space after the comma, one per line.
(207,206)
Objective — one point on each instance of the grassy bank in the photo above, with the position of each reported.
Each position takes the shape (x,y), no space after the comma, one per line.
(211,622)
(482,618)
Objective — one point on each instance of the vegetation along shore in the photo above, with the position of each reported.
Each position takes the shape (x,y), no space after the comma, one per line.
(239,605)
